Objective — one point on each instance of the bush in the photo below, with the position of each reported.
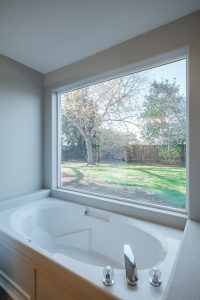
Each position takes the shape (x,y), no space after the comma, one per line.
(171,155)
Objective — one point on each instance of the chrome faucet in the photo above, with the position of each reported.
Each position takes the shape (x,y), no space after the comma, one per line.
(130,266)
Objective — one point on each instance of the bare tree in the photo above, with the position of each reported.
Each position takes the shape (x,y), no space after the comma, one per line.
(115,101)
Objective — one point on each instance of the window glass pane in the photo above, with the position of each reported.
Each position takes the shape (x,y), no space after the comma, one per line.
(126,137)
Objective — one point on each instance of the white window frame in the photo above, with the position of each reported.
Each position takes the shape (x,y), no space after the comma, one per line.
(152,212)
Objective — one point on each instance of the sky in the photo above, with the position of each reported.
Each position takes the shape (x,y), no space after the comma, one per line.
(170,71)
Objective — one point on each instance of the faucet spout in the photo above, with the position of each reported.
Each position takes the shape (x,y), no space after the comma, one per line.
(130,266)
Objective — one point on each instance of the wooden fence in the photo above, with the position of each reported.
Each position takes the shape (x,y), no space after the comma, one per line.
(154,154)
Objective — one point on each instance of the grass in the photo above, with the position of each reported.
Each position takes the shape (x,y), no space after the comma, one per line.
(166,185)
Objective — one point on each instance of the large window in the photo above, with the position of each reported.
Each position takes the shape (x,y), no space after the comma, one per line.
(126,137)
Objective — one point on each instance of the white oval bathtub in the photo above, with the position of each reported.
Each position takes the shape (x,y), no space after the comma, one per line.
(89,235)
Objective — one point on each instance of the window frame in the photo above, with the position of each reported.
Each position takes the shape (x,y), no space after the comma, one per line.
(173,216)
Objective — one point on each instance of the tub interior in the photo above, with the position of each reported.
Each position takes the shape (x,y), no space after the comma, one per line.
(96,237)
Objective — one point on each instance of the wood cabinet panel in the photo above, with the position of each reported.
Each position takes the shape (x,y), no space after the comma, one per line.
(49,287)
(16,273)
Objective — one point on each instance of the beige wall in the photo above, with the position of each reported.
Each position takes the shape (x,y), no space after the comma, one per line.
(183,33)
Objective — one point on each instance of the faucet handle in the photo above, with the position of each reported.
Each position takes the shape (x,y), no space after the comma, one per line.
(108,276)
(155,276)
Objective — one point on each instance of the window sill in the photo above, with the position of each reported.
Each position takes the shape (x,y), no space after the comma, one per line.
(172,218)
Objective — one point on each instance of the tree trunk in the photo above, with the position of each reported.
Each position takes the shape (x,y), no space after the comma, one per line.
(90,160)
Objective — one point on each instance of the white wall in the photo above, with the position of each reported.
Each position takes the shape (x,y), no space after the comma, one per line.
(182,33)
(21,97)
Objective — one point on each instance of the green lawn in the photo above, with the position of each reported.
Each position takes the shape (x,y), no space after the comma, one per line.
(163,185)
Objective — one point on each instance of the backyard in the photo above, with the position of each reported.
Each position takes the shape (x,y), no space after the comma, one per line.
(153,184)
(126,137)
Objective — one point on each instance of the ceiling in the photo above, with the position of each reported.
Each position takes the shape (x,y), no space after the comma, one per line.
(48,34)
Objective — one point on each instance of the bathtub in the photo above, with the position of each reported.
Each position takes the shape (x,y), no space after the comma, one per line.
(85,240)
